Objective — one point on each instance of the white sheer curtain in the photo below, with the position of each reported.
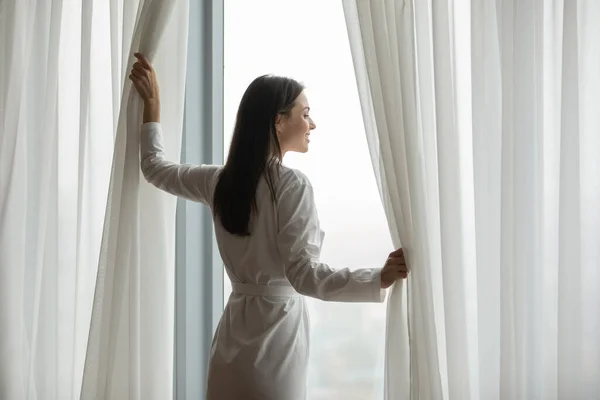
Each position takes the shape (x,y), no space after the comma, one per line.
(483,122)
(63,77)
(130,349)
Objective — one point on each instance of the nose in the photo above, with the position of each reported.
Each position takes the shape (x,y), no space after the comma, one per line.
(312,124)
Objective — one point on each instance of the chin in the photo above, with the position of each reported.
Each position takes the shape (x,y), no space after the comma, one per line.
(301,149)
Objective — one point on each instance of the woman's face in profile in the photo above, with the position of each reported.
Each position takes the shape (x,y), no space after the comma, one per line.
(294,129)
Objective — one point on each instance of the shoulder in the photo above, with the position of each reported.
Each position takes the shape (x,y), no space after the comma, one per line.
(292,178)
(294,187)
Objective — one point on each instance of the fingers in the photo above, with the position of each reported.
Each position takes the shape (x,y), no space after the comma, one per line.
(143,60)
(139,67)
(395,272)
(139,84)
(134,79)
(401,275)
(137,78)
(388,279)
(142,69)
(136,83)
(137,73)
(399,268)
(141,74)
(397,253)
(396,260)
(397,265)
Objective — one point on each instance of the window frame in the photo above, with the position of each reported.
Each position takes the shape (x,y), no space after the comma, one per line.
(198,266)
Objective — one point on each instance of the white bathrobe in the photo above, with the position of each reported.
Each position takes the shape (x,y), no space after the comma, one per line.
(260,348)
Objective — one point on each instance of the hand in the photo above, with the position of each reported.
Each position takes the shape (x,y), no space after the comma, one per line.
(144,79)
(395,268)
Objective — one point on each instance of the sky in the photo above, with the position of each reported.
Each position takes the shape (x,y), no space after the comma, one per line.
(307,40)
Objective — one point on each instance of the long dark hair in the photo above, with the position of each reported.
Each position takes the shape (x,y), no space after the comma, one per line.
(254,151)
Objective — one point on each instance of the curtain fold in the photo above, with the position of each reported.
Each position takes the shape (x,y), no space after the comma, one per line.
(482,123)
(63,78)
(50,218)
(386,73)
(130,348)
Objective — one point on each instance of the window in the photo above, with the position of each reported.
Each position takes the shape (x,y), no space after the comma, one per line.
(308,41)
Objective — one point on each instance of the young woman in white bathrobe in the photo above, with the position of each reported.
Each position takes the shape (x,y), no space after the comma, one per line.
(269,237)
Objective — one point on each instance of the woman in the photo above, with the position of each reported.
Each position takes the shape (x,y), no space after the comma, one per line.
(268,234)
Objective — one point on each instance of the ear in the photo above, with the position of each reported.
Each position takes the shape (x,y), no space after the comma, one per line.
(279,121)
